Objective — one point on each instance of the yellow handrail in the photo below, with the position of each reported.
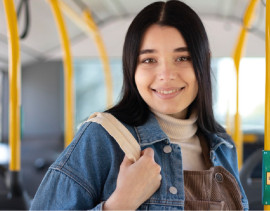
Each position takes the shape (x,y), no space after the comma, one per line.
(68,72)
(267,90)
(87,24)
(237,55)
(103,55)
(267,84)
(14,86)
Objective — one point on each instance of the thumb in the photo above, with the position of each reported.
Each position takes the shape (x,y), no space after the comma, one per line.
(148,152)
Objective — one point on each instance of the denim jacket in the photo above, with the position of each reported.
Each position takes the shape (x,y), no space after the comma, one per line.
(85,174)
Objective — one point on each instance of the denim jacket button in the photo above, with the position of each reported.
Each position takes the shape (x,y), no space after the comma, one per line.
(167,149)
(173,190)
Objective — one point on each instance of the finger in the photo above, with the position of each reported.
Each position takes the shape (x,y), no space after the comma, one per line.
(126,162)
(159,181)
(148,152)
(160,177)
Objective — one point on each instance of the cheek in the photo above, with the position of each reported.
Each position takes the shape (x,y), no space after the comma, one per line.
(194,83)
(195,89)
(140,78)
(139,81)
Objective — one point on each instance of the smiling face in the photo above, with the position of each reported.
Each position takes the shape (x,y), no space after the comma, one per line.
(165,76)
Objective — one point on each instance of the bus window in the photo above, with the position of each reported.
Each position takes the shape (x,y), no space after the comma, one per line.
(251,92)
(89,85)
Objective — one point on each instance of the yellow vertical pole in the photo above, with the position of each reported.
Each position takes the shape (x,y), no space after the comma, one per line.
(267,85)
(103,55)
(267,90)
(14,85)
(89,25)
(237,55)
(68,73)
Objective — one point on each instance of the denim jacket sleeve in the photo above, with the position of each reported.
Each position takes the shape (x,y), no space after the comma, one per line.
(49,196)
(84,175)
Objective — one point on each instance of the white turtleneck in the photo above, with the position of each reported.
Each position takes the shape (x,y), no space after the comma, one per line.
(183,133)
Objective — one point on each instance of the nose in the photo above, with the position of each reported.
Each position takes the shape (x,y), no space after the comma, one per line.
(166,73)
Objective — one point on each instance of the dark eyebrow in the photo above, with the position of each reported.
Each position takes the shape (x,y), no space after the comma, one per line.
(181,49)
(147,51)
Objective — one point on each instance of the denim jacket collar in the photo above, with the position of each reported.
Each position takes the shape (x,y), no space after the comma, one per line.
(150,133)
(216,141)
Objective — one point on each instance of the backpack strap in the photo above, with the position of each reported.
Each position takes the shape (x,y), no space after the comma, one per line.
(119,132)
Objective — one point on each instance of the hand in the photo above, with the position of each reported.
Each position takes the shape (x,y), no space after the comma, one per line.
(136,182)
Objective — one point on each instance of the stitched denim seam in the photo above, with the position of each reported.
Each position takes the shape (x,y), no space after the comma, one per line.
(87,188)
(137,132)
(153,142)
(225,143)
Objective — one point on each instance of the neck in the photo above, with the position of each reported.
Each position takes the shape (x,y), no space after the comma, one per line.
(180,129)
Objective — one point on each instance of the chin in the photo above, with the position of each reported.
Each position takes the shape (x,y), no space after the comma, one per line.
(178,113)
(168,112)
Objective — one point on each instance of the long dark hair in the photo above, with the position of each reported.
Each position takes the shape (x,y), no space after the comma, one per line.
(132,109)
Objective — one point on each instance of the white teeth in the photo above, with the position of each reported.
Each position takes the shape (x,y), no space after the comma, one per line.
(167,92)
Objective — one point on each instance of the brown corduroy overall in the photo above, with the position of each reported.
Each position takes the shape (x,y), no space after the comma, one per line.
(211,189)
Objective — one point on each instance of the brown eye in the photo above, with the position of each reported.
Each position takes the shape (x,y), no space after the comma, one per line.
(149,61)
(183,58)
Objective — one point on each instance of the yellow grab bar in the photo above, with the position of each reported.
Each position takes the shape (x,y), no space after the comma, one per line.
(103,55)
(88,24)
(237,55)
(267,85)
(267,90)
(14,86)
(68,73)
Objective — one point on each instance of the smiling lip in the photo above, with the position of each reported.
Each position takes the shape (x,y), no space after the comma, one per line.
(167,93)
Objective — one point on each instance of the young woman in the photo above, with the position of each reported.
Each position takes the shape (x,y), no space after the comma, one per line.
(187,160)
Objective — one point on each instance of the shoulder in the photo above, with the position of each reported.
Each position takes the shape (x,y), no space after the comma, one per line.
(91,157)
(91,144)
